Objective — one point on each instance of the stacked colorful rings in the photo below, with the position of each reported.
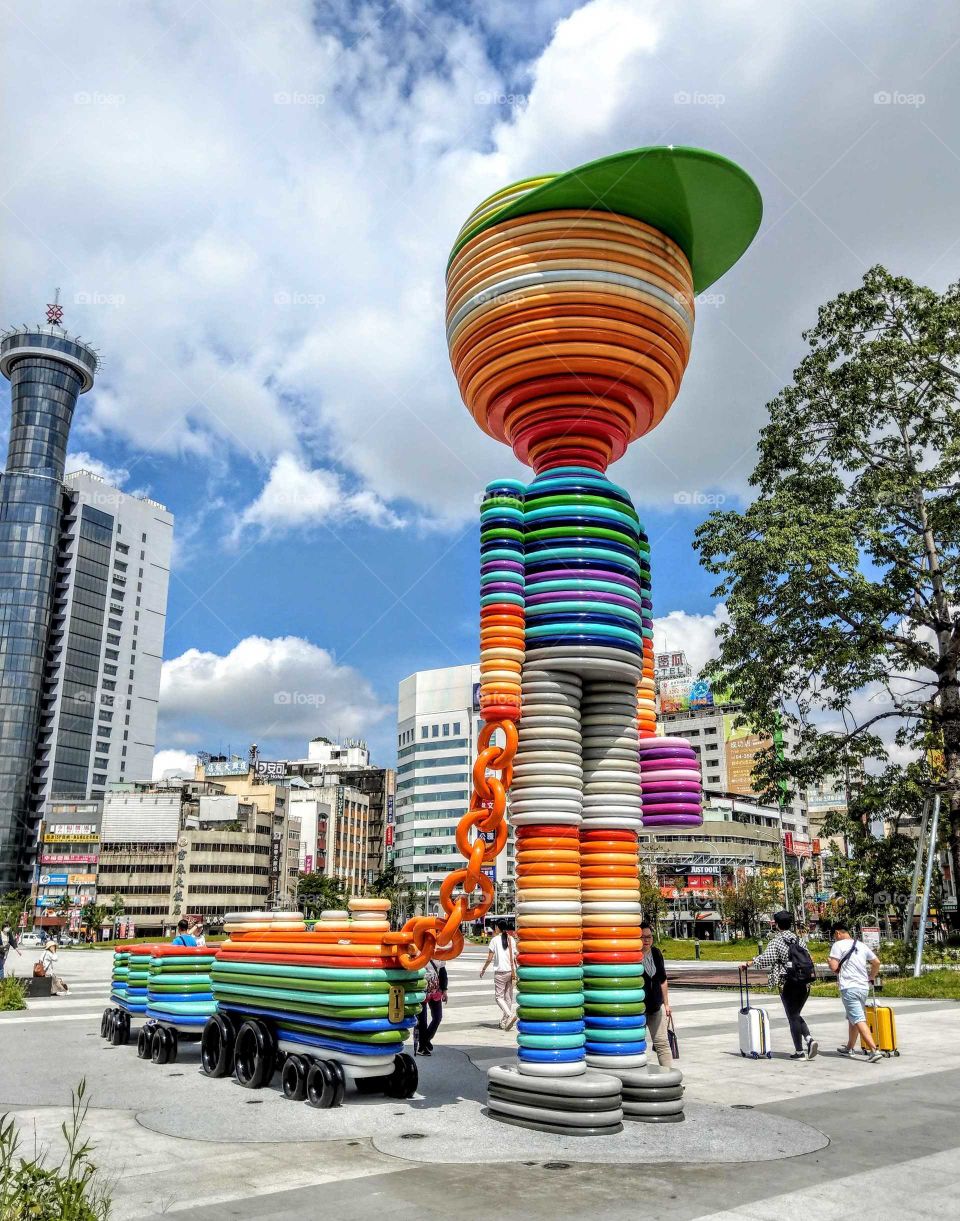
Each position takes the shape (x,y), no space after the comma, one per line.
(670,783)
(586,572)
(612,949)
(178,986)
(501,600)
(545,810)
(138,973)
(118,977)
(569,332)
(330,989)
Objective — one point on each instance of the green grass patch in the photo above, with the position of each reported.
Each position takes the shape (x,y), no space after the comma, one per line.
(725,951)
(932,985)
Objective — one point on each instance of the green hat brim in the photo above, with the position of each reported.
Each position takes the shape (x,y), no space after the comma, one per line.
(706,203)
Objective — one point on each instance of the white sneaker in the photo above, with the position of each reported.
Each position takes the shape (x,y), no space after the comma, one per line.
(875,1055)
(510,1022)
(813,1048)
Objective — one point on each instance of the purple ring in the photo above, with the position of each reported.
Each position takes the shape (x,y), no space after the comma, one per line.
(669,786)
(656,810)
(500,566)
(672,820)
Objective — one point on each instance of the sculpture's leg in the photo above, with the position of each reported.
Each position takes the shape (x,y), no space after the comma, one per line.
(553,1089)
(545,801)
(612,949)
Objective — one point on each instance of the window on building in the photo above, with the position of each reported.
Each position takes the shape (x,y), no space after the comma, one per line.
(424,731)
(456,728)
(446,730)
(435,731)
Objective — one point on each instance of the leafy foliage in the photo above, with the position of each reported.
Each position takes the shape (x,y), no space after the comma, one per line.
(70,1191)
(745,902)
(317,893)
(12,994)
(390,884)
(841,578)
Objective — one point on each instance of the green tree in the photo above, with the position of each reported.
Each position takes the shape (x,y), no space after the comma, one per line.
(873,876)
(317,893)
(117,908)
(841,578)
(12,906)
(745,902)
(93,916)
(652,902)
(390,884)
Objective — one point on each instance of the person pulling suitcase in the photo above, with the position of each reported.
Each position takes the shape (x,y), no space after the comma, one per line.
(791,971)
(856,967)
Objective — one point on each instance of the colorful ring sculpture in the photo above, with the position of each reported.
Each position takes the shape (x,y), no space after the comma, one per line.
(570,311)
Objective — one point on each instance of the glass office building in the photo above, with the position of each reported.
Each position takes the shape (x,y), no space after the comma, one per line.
(48,370)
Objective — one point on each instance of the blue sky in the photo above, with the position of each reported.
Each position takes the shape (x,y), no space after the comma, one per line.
(248,209)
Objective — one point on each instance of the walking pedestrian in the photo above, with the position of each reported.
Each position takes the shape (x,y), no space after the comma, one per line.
(791,971)
(198,936)
(501,954)
(856,967)
(8,942)
(656,998)
(436,995)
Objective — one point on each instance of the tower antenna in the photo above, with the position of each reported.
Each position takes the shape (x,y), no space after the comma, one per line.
(55,311)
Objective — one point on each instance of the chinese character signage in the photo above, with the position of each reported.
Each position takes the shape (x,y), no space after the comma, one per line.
(269,769)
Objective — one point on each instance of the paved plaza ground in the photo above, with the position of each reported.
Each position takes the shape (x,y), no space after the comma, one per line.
(828,1139)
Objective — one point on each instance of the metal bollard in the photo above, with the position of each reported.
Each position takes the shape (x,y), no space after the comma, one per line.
(696,949)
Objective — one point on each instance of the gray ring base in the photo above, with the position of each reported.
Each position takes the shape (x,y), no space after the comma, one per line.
(554,1128)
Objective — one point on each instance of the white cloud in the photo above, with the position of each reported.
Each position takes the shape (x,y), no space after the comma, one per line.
(252,205)
(79,460)
(696,635)
(279,692)
(296,497)
(169,763)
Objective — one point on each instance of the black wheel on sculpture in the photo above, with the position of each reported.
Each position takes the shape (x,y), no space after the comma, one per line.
(115,1034)
(254,1055)
(159,1046)
(104,1020)
(339,1081)
(125,1020)
(173,1044)
(321,1086)
(216,1046)
(293,1078)
(144,1043)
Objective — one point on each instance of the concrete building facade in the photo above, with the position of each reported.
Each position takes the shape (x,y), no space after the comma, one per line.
(192,849)
(438,723)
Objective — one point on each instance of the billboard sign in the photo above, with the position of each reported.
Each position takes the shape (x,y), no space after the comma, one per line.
(741,746)
(229,767)
(270,769)
(67,858)
(81,879)
(687,695)
(53,879)
(308,863)
(389,837)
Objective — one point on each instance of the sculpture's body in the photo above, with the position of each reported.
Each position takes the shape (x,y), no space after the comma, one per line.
(570,321)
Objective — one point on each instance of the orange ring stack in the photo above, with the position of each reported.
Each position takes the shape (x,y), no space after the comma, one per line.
(502,616)
(569,333)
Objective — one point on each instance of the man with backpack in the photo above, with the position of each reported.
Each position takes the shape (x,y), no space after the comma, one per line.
(8,942)
(790,969)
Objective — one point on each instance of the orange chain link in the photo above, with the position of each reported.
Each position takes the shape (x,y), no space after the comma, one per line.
(426,937)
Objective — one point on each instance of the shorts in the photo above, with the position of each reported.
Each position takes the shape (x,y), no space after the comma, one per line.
(853,1002)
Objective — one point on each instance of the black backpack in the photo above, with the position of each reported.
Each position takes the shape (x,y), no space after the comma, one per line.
(799,965)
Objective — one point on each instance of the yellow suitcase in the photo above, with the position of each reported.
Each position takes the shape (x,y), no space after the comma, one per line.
(882,1024)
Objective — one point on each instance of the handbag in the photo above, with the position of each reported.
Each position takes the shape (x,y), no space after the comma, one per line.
(672,1038)
(38,971)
